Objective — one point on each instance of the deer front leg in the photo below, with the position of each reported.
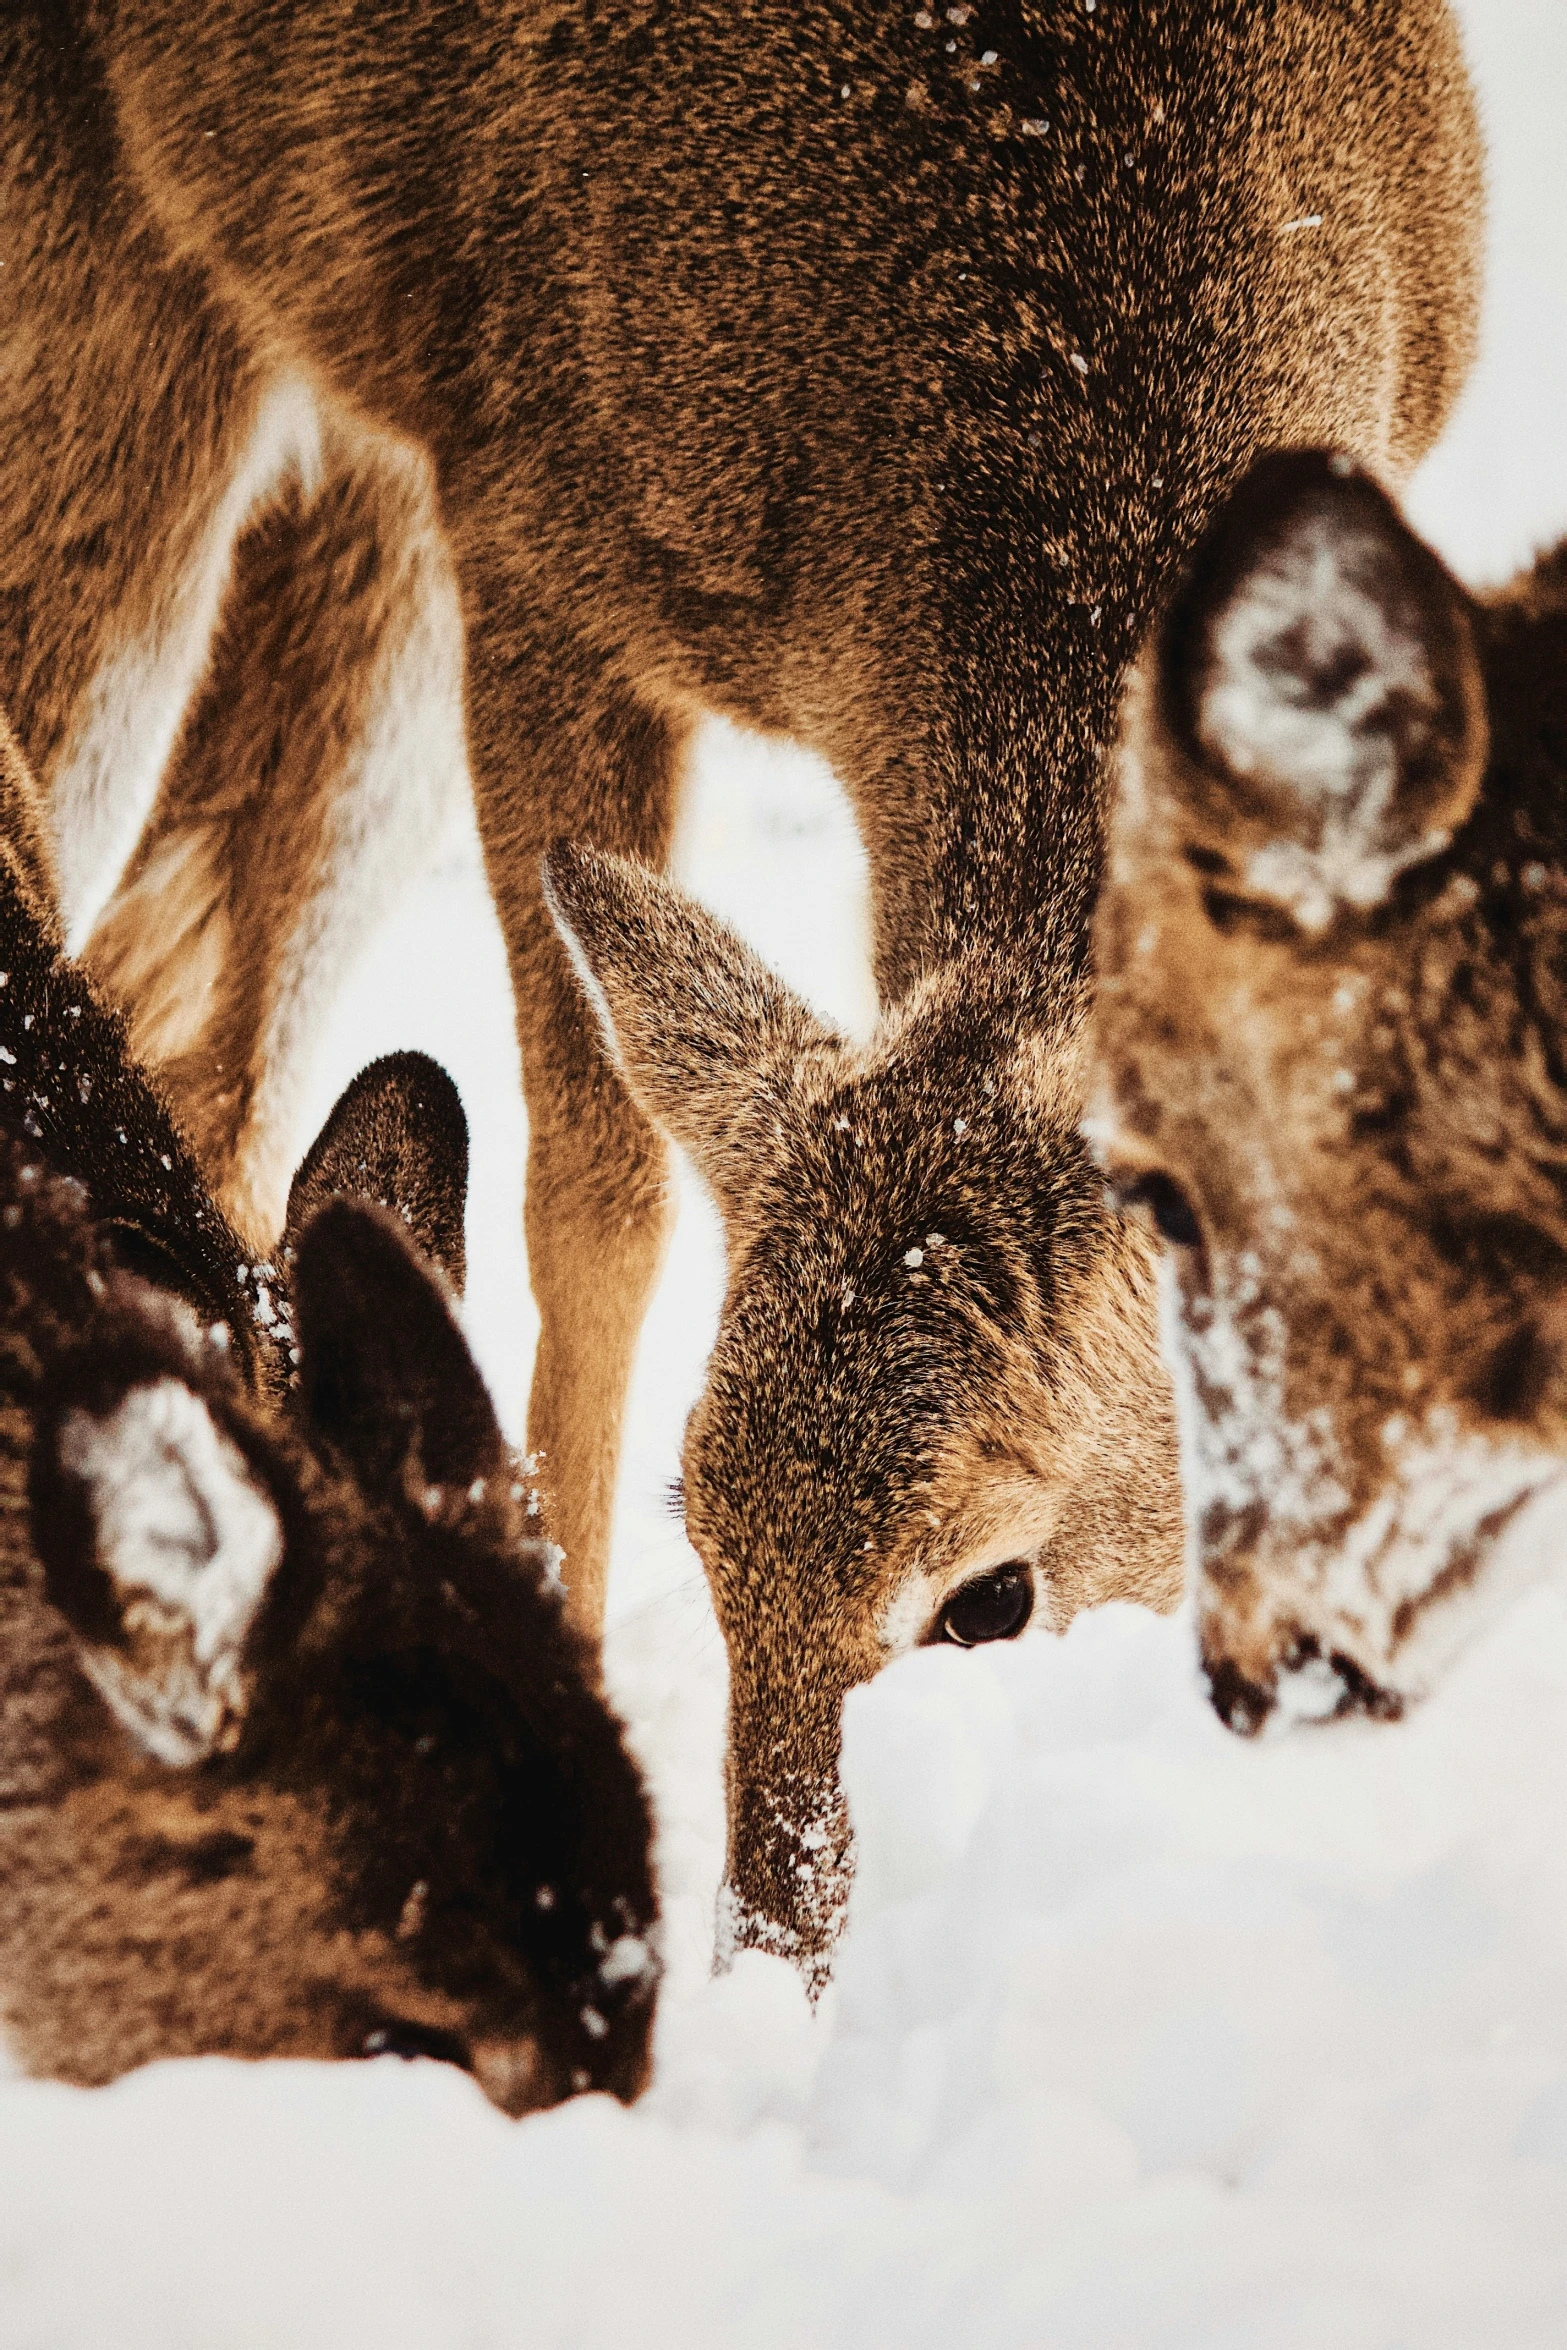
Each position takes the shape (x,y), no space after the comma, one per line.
(314,774)
(598,1208)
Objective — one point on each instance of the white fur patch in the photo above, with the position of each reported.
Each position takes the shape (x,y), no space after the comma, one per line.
(132,709)
(587,979)
(189,1541)
(1368,1585)
(1336,755)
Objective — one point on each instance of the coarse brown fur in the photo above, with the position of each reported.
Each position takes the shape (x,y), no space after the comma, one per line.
(1334,1022)
(857,373)
(393,1812)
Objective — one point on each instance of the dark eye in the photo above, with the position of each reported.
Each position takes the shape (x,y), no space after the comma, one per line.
(140,1253)
(410,2040)
(1161,1199)
(992,1607)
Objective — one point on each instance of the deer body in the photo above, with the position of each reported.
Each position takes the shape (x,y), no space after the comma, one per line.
(858,374)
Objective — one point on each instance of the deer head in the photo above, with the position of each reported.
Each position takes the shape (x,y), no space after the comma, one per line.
(301,1755)
(935,1410)
(1329,1074)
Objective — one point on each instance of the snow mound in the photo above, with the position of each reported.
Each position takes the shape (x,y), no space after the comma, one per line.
(1141,2036)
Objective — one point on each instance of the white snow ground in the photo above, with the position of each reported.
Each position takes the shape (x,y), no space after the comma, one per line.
(1142,2036)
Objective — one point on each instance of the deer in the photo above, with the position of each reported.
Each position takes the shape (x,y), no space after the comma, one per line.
(299,1753)
(1328,1070)
(496,392)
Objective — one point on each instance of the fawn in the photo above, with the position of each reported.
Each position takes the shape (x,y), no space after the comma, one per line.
(1329,1039)
(299,1755)
(859,374)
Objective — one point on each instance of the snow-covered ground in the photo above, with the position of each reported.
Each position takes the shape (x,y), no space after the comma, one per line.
(1141,2036)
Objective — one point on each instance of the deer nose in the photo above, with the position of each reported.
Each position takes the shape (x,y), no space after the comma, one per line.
(1304,1684)
(515,2075)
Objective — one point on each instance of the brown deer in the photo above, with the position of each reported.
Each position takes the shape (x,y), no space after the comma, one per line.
(1330,1069)
(859,374)
(298,1753)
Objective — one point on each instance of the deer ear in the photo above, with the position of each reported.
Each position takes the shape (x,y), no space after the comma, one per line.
(1319,687)
(695,1022)
(398,1138)
(158,1543)
(386,1374)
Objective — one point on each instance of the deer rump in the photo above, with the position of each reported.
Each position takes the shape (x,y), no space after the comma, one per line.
(300,1755)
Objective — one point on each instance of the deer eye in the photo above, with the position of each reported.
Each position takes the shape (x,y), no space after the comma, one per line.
(995,1606)
(1160,1201)
(410,2040)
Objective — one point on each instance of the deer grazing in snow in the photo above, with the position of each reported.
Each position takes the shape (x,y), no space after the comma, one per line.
(858,373)
(1330,1068)
(298,1753)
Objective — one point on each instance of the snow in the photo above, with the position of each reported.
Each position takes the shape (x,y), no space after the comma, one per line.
(1141,2035)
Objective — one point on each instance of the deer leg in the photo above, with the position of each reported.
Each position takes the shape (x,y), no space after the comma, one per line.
(598,1208)
(315,771)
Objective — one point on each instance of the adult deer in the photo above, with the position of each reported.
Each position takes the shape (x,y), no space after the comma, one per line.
(857,372)
(1333,941)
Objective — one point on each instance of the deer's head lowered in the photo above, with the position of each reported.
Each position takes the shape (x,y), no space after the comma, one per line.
(300,1755)
(1329,1036)
(935,1409)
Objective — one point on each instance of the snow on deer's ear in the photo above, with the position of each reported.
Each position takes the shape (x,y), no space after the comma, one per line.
(386,1376)
(696,1023)
(1320,690)
(158,1541)
(397,1138)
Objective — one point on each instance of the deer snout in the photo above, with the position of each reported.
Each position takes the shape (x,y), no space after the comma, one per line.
(517,2076)
(1295,1680)
(790,1859)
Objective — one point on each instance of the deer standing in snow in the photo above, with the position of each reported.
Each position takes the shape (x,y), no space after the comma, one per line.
(298,1754)
(1330,1052)
(858,373)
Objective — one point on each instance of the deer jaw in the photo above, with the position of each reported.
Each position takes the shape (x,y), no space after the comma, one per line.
(1354,1097)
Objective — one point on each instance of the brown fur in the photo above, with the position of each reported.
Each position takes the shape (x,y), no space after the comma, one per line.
(857,373)
(1360,1096)
(414,1825)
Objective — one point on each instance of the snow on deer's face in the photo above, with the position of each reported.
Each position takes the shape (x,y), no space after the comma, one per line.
(934,1409)
(1327,1069)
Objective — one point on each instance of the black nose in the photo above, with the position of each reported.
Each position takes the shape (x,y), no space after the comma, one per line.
(1241,1705)
(1244,1705)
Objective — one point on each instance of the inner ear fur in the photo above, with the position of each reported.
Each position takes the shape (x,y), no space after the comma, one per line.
(1317,695)
(387,1377)
(397,1137)
(696,1023)
(158,1536)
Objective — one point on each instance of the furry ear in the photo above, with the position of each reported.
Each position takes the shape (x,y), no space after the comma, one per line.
(386,1374)
(158,1543)
(397,1138)
(695,1022)
(1319,690)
